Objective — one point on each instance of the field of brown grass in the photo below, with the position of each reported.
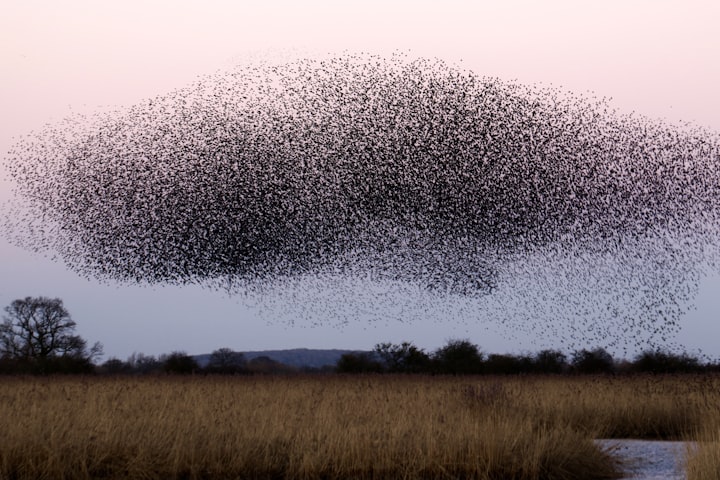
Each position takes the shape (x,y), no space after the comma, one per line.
(325,427)
(703,463)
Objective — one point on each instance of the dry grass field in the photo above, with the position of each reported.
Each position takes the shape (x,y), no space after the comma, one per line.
(704,462)
(354,427)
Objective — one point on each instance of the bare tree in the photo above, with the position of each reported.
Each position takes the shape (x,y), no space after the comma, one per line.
(141,363)
(226,360)
(40,328)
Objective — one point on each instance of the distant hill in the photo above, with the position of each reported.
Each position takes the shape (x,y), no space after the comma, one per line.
(296,357)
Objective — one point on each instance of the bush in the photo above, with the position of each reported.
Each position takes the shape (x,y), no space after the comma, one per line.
(403,358)
(114,366)
(659,361)
(458,357)
(179,362)
(360,362)
(227,362)
(593,361)
(266,365)
(143,364)
(504,365)
(551,361)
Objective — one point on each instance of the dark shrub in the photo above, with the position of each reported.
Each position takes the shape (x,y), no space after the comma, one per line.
(46,365)
(360,362)
(266,365)
(114,366)
(503,365)
(64,364)
(403,358)
(592,361)
(179,362)
(550,361)
(143,364)
(227,362)
(659,361)
(458,357)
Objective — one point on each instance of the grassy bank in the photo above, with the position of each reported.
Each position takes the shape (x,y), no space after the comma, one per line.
(337,427)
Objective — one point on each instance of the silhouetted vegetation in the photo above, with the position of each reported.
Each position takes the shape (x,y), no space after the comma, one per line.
(549,361)
(37,335)
(266,366)
(497,364)
(114,366)
(360,362)
(459,357)
(179,362)
(593,361)
(402,358)
(658,361)
(462,357)
(227,362)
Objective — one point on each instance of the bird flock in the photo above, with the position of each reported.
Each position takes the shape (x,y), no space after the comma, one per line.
(549,211)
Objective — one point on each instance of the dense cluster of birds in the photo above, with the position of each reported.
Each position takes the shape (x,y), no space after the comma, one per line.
(395,171)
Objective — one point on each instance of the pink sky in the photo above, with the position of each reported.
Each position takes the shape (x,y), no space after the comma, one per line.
(656,57)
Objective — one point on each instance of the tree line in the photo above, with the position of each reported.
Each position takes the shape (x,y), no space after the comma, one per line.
(37,336)
(462,357)
(223,361)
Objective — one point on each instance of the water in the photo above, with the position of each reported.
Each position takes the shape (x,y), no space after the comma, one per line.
(649,459)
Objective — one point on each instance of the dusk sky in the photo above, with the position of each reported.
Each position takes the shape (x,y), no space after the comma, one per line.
(60,58)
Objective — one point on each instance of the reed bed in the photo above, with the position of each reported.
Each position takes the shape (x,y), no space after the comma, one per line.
(703,460)
(359,427)
(666,407)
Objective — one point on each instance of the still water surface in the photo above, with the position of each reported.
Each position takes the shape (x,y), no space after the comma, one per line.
(649,459)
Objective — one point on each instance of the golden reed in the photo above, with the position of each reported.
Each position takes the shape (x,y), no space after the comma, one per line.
(337,427)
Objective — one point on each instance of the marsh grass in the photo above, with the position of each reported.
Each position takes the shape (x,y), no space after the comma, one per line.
(645,407)
(336,427)
(703,459)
